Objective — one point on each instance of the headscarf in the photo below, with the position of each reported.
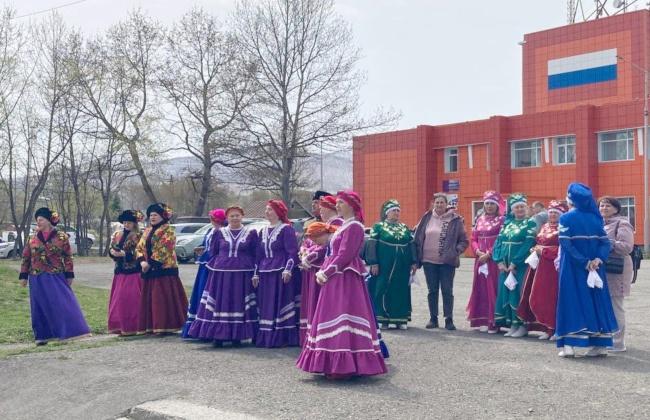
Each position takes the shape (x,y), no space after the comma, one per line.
(320,194)
(558,206)
(491,196)
(162,209)
(217,216)
(48,214)
(388,205)
(280,209)
(354,201)
(515,198)
(319,228)
(328,202)
(134,216)
(582,198)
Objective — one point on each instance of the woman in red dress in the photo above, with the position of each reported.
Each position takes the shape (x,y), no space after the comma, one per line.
(539,296)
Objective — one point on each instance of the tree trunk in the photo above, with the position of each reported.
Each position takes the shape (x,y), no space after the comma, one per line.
(206,184)
(135,156)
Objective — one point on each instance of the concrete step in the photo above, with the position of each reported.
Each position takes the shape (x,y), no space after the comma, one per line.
(170,409)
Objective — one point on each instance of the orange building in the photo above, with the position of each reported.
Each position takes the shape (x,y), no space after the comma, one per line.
(582,121)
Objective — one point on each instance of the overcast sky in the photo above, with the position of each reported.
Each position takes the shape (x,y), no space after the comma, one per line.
(437,61)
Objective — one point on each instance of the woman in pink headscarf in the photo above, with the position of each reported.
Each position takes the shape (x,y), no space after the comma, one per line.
(480,309)
(342,340)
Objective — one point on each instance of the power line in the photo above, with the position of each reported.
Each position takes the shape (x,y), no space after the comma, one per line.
(72,3)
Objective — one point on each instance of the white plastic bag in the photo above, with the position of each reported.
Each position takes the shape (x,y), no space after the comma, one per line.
(511,281)
(532,260)
(594,280)
(484,269)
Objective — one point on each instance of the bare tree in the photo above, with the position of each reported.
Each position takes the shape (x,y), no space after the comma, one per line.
(117,73)
(306,87)
(207,83)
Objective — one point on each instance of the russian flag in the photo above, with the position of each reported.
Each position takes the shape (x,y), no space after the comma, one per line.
(582,69)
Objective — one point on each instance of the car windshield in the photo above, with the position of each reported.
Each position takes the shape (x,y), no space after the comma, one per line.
(203,230)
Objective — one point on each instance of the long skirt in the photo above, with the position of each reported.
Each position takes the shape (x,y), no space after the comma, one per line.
(195,299)
(538,302)
(343,337)
(279,306)
(585,316)
(56,313)
(309,297)
(227,309)
(163,305)
(391,295)
(124,304)
(482,301)
(505,311)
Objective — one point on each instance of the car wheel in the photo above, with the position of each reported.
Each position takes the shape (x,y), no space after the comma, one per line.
(87,243)
(11,255)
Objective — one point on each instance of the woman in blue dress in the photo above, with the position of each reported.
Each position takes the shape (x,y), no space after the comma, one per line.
(585,317)
(218,220)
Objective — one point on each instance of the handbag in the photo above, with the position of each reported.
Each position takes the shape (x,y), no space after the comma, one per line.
(615,264)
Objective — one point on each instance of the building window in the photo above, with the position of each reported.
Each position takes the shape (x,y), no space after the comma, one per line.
(618,145)
(564,150)
(451,159)
(627,209)
(526,154)
(477,210)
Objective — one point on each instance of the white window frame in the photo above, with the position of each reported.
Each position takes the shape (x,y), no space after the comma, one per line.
(475,210)
(449,153)
(631,204)
(513,150)
(629,140)
(561,149)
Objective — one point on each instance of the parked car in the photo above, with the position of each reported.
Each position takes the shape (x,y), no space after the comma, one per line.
(183,229)
(7,249)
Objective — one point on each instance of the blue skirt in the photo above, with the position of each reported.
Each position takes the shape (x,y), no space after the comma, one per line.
(195,299)
(56,313)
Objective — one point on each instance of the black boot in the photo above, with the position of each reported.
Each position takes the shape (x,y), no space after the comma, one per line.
(449,324)
(217,344)
(433,323)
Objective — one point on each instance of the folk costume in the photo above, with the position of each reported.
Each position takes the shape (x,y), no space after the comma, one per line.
(342,340)
(126,290)
(163,303)
(391,247)
(47,267)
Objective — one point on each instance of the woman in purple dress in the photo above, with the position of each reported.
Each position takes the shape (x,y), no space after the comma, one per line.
(342,340)
(278,280)
(480,309)
(47,268)
(228,306)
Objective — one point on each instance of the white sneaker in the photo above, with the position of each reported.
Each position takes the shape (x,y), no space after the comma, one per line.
(567,352)
(402,327)
(520,332)
(510,332)
(392,326)
(596,351)
(493,331)
(553,338)
(484,328)
(544,336)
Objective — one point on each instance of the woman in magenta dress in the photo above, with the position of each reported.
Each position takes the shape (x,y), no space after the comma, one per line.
(480,309)
(328,211)
(539,296)
(318,234)
(278,280)
(228,304)
(126,291)
(342,340)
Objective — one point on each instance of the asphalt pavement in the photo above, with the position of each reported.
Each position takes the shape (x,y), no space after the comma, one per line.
(432,374)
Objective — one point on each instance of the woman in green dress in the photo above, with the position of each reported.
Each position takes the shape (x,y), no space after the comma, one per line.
(511,249)
(391,255)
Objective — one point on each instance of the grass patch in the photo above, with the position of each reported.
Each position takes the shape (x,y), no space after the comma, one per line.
(58,346)
(15,320)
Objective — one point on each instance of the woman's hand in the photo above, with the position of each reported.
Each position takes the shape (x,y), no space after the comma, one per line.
(512,268)
(414,269)
(538,250)
(594,264)
(502,267)
(321,278)
(374,269)
(286,276)
(256,281)
(117,254)
(145,266)
(484,257)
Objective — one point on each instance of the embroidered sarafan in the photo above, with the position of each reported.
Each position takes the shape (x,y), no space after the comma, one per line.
(49,253)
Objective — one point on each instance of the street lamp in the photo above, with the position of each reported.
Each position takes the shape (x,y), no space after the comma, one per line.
(646,208)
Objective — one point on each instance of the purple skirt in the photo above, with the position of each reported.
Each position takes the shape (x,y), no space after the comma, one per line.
(56,313)
(227,309)
(279,306)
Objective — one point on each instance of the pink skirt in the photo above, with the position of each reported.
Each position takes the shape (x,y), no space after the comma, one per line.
(309,297)
(124,304)
(343,338)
